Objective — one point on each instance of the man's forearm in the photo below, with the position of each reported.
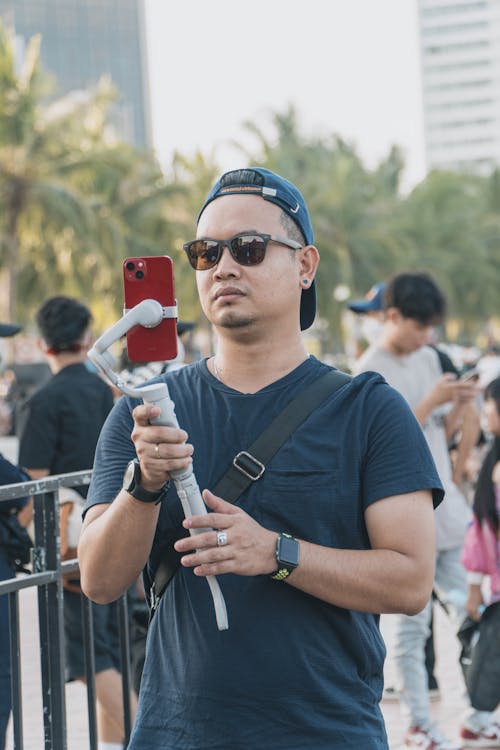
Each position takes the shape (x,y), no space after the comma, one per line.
(424,409)
(379,581)
(114,545)
(453,421)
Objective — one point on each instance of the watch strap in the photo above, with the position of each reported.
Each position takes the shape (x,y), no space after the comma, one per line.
(137,491)
(145,496)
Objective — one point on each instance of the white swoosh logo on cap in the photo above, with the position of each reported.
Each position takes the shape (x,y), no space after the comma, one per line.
(294,210)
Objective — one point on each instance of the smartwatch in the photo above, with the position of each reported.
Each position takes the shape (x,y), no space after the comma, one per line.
(132,484)
(287,556)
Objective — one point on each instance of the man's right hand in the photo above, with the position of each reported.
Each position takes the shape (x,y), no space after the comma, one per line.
(160,449)
(449,389)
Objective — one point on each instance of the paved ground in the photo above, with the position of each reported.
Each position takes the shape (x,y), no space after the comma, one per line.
(447,711)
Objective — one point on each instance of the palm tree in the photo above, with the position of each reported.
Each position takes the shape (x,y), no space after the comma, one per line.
(350,206)
(453,223)
(37,148)
(75,200)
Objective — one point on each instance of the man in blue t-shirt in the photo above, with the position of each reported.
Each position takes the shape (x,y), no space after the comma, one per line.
(344,510)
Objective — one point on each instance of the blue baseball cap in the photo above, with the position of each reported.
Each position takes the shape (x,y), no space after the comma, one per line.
(272,187)
(372,302)
(7,329)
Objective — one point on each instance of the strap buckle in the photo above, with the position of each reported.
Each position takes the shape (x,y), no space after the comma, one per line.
(249,465)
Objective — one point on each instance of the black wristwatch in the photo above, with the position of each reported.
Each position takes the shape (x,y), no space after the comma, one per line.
(287,556)
(132,484)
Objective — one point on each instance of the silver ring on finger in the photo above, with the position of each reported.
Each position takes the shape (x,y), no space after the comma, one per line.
(221,538)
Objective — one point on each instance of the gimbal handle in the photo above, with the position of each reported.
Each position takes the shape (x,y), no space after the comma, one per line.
(150,313)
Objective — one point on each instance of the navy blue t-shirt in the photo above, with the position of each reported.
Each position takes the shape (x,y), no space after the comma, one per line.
(292,672)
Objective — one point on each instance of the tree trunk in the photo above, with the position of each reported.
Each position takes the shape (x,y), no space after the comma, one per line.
(13,247)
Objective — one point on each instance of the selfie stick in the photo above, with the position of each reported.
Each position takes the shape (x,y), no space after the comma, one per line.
(149,313)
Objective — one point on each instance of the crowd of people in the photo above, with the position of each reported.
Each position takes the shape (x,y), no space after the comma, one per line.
(410,306)
(383,499)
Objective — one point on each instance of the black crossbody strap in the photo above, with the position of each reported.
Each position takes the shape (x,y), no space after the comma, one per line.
(249,465)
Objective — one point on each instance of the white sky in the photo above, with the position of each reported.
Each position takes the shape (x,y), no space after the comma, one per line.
(349,66)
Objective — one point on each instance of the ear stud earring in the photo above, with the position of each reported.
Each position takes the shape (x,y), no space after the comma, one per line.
(305,282)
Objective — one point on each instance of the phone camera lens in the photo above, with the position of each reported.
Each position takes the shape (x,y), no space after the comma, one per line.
(139,274)
(130,266)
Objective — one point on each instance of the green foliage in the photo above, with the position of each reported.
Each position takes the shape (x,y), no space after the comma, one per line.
(75,201)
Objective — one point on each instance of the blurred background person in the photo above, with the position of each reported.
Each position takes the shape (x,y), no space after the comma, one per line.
(60,425)
(370,312)
(414,305)
(488,365)
(481,548)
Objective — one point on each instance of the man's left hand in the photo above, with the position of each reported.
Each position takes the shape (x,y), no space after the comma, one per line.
(236,543)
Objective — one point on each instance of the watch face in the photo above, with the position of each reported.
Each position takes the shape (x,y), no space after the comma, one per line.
(129,474)
(289,551)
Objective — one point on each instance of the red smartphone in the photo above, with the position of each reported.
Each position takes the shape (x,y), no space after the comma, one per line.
(470,375)
(151,277)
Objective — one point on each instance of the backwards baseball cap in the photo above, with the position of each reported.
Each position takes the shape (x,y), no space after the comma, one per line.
(272,187)
(7,329)
(372,302)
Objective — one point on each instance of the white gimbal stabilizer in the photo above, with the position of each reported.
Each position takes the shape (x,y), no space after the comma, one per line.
(149,313)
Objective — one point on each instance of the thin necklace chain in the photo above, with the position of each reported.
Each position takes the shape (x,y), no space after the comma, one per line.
(216,369)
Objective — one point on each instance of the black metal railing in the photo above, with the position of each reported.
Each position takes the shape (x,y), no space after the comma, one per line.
(47,569)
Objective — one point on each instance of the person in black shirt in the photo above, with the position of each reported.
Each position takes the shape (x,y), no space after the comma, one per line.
(60,425)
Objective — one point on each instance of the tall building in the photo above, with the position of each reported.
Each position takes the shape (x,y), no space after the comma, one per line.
(84,39)
(460,55)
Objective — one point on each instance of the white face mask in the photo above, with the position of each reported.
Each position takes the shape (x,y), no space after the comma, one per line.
(371,328)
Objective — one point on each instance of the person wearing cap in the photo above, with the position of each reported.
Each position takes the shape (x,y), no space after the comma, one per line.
(9,474)
(414,305)
(301,663)
(371,311)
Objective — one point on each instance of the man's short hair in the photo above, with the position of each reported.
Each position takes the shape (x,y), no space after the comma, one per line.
(417,296)
(62,322)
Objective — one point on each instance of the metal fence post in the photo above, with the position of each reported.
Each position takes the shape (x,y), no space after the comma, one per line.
(15,661)
(50,615)
(46,577)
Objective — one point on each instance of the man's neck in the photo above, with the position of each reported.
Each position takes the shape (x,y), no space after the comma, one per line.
(389,344)
(250,367)
(58,362)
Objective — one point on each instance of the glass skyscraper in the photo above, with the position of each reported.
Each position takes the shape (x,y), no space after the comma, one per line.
(460,47)
(84,39)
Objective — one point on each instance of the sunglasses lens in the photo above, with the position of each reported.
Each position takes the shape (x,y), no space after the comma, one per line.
(248,249)
(203,254)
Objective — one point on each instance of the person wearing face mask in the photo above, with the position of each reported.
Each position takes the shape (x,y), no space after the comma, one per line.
(414,305)
(371,311)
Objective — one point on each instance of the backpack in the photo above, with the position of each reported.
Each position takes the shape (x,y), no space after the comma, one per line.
(15,540)
(480,658)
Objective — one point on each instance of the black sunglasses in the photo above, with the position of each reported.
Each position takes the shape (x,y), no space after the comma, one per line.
(247,249)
